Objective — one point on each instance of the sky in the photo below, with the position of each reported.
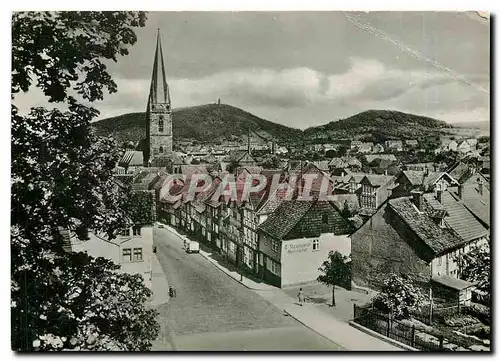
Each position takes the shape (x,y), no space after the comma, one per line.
(305,69)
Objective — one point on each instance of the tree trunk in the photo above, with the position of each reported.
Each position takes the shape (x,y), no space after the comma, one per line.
(333,296)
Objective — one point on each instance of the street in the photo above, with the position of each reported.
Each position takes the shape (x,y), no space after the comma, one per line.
(214,312)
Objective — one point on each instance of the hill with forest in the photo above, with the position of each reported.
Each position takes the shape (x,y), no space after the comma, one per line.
(219,122)
(378,126)
(204,123)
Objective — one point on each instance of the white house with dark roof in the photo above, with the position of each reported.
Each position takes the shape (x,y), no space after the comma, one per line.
(297,237)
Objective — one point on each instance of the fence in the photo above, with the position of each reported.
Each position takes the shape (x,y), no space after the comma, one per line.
(428,314)
(397,331)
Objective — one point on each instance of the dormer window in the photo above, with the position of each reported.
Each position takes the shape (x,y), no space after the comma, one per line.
(160,124)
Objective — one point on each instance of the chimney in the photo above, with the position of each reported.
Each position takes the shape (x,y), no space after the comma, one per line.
(218,101)
(460,190)
(439,192)
(418,199)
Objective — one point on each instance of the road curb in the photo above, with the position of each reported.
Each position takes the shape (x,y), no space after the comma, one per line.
(382,337)
(224,270)
(154,302)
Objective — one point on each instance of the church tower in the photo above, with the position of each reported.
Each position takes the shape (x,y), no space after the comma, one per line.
(158,147)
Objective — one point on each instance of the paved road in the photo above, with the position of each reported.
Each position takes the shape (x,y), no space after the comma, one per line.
(214,312)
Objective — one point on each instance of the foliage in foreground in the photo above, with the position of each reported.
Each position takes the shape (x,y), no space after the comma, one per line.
(62,184)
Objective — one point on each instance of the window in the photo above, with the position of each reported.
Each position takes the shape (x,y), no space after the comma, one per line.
(275,267)
(160,124)
(127,255)
(440,261)
(315,244)
(137,254)
(275,246)
(125,232)
(161,149)
(136,230)
(324,218)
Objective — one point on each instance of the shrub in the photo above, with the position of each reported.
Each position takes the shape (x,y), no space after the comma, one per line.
(481,312)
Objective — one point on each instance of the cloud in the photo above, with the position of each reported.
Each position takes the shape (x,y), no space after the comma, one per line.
(289,88)
(303,96)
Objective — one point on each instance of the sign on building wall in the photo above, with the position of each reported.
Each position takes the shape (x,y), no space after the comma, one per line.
(297,247)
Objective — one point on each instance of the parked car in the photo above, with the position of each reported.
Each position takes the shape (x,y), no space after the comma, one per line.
(193,247)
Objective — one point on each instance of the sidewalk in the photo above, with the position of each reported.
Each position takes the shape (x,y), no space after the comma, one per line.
(159,283)
(337,331)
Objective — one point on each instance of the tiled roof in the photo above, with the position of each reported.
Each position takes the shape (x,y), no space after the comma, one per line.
(385,163)
(132,158)
(415,177)
(435,237)
(159,182)
(322,164)
(459,219)
(452,282)
(432,178)
(253,169)
(191,169)
(272,202)
(476,203)
(378,180)
(371,157)
(286,216)
(460,172)
(344,162)
(235,155)
(356,177)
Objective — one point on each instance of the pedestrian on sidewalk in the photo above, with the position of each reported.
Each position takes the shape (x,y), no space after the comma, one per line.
(301,297)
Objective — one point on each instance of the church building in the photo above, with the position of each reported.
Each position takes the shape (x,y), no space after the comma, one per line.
(158,144)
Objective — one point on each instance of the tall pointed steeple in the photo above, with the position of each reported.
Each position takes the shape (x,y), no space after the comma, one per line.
(158,148)
(159,92)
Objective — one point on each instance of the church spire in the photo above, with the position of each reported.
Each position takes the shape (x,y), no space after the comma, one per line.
(159,92)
